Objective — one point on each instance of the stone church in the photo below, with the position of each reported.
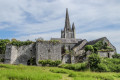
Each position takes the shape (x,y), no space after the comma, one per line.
(68,49)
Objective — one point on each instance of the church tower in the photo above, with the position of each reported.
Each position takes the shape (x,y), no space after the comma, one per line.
(68,32)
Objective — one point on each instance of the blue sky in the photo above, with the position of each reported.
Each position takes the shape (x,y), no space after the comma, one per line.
(31,19)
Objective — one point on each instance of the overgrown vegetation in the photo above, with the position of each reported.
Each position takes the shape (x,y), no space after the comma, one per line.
(49,62)
(20,43)
(95,63)
(99,46)
(116,56)
(89,48)
(3,43)
(50,41)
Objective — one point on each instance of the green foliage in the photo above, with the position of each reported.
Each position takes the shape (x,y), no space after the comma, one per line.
(2,60)
(76,67)
(54,41)
(72,75)
(89,48)
(102,68)
(116,56)
(60,71)
(20,43)
(3,43)
(98,45)
(49,62)
(112,64)
(93,61)
(31,61)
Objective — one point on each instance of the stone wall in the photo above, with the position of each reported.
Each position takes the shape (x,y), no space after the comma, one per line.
(106,54)
(2,56)
(48,50)
(19,55)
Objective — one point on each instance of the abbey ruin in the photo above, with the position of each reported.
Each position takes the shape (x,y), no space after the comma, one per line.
(68,49)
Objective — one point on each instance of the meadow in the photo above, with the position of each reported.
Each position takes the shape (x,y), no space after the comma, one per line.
(22,72)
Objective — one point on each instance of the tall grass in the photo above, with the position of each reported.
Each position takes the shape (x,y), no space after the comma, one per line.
(12,72)
(21,72)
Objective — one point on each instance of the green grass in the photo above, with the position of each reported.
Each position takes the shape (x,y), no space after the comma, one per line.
(21,72)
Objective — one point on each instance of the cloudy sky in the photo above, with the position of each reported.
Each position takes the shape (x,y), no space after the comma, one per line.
(30,19)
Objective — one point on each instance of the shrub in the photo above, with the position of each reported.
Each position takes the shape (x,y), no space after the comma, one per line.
(102,68)
(2,60)
(89,48)
(49,62)
(93,61)
(116,56)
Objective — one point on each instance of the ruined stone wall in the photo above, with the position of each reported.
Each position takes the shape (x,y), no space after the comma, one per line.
(109,44)
(19,55)
(106,54)
(2,56)
(48,50)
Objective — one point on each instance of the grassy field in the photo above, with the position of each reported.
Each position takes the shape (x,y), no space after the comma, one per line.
(21,72)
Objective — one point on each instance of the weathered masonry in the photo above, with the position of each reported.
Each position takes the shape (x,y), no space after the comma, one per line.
(68,49)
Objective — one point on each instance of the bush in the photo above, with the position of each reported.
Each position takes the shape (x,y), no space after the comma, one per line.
(93,61)
(116,56)
(49,62)
(2,60)
(102,68)
(89,48)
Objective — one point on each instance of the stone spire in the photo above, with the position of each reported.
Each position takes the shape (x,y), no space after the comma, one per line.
(73,26)
(73,29)
(67,21)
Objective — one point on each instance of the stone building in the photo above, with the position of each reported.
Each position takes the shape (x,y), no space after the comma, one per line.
(69,50)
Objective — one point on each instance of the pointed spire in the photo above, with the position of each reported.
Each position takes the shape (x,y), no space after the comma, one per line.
(67,21)
(73,26)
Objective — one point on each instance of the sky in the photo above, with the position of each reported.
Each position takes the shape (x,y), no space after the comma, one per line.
(31,19)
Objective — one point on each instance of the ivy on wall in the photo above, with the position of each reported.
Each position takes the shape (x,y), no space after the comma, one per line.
(99,46)
(4,42)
